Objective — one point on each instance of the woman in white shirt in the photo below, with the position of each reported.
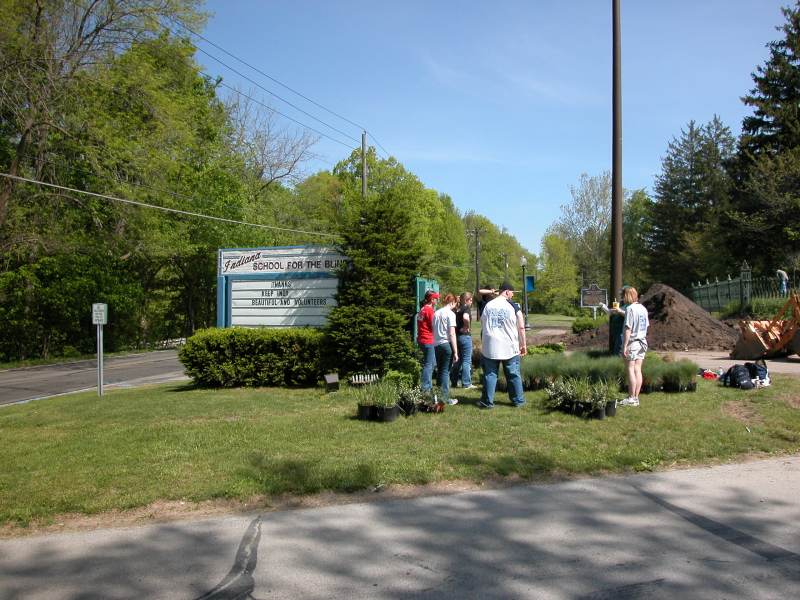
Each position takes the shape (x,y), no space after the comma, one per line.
(445,344)
(634,344)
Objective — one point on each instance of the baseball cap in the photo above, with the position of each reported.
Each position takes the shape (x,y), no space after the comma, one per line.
(431,294)
(506,286)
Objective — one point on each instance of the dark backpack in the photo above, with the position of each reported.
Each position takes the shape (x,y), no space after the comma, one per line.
(738,376)
(757,369)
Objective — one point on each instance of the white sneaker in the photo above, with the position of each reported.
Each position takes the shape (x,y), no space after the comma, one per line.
(452,401)
(629,402)
(470,387)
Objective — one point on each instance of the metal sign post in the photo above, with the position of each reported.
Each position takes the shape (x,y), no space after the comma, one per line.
(99,318)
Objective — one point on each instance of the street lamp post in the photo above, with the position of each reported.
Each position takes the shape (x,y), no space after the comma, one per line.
(523,262)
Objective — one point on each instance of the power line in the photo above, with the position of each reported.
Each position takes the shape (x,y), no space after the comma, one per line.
(163,208)
(268,107)
(280,83)
(308,114)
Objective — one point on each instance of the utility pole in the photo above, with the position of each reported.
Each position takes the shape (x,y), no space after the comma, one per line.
(363,164)
(476,231)
(616,164)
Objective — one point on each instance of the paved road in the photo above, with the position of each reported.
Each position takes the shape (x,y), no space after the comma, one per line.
(18,385)
(724,532)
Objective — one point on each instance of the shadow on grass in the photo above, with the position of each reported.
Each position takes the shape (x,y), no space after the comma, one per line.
(277,476)
(525,464)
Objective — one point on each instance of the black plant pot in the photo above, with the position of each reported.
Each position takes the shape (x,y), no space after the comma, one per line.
(611,408)
(366,412)
(407,407)
(598,413)
(387,414)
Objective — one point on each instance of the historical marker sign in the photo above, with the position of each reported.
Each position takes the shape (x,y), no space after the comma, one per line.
(277,287)
(593,296)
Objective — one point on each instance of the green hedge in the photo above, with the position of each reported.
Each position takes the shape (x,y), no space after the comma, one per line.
(584,323)
(240,356)
(538,371)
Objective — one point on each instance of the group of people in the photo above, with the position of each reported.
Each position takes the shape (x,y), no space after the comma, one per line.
(445,340)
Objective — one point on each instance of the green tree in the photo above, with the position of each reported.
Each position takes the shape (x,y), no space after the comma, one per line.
(499,253)
(367,329)
(585,224)
(557,281)
(691,193)
(636,227)
(762,225)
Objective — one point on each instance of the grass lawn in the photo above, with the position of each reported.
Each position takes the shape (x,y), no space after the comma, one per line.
(81,453)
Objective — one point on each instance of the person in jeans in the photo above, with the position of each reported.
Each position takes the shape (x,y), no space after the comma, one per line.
(463,368)
(425,338)
(445,344)
(503,335)
(634,344)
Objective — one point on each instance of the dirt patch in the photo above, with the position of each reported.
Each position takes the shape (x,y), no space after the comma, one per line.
(676,323)
(792,401)
(742,411)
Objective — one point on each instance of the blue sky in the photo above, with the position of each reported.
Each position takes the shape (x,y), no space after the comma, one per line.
(503,105)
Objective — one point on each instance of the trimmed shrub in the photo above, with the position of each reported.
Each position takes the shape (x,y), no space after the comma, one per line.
(241,356)
(582,324)
(368,339)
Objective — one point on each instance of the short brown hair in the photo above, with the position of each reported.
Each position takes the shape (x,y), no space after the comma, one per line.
(449,298)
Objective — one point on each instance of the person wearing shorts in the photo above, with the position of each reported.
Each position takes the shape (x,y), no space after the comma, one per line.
(634,344)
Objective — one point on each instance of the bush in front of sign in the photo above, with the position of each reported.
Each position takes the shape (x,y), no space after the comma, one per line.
(368,339)
(240,356)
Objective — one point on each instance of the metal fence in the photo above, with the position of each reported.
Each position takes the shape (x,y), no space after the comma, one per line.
(716,295)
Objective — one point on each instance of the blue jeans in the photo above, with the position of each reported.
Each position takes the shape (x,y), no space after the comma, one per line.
(463,368)
(444,355)
(428,363)
(513,380)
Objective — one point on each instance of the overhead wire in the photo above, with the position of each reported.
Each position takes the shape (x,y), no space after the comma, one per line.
(280,83)
(268,107)
(254,82)
(163,208)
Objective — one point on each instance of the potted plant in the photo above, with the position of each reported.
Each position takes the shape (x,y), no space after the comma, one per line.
(430,401)
(598,397)
(409,399)
(365,403)
(611,387)
(581,390)
(385,397)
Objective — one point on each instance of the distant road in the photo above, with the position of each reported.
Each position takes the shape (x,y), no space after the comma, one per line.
(31,383)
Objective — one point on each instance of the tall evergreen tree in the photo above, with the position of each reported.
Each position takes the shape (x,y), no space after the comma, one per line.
(762,225)
(690,193)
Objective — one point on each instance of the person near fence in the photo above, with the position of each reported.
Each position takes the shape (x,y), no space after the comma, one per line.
(462,369)
(445,345)
(634,344)
(425,338)
(783,282)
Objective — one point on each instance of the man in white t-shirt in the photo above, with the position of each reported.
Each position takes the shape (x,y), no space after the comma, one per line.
(502,341)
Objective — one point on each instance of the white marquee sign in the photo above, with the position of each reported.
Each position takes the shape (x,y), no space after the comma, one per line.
(277,287)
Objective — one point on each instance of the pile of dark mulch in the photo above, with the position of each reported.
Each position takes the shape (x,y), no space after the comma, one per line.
(676,323)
